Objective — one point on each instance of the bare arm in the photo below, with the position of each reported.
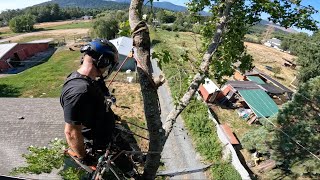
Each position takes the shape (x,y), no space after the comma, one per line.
(75,139)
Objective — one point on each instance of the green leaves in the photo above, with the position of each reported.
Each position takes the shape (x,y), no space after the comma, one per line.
(43,159)
(163,56)
(124,29)
(23,23)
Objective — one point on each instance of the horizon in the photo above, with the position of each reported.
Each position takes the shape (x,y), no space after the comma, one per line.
(21,4)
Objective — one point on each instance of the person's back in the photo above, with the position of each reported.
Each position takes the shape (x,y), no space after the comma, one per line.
(83,98)
(83,102)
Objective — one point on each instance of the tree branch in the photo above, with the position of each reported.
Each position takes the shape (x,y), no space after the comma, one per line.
(204,67)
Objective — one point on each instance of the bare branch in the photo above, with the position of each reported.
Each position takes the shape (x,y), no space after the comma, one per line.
(204,67)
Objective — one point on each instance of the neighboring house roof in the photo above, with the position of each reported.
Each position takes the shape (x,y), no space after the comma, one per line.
(42,40)
(285,89)
(260,102)
(207,89)
(256,79)
(5,48)
(228,131)
(42,122)
(275,41)
(239,85)
(210,86)
(254,71)
(123,44)
(271,89)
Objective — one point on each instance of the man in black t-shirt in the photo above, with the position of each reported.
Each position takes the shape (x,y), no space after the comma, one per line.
(83,98)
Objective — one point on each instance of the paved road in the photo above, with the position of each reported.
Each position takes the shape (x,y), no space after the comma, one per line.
(178,152)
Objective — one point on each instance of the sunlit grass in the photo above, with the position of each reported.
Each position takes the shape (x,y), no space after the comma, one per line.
(44,80)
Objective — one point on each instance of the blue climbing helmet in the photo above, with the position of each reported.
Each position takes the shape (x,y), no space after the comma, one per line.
(103,52)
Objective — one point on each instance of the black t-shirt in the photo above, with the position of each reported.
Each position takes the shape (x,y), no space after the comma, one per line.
(83,103)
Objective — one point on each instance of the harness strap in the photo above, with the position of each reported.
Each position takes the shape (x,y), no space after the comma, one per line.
(76,75)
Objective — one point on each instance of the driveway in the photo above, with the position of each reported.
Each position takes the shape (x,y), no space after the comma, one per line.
(178,153)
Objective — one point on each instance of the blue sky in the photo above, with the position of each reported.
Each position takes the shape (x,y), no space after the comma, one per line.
(14,4)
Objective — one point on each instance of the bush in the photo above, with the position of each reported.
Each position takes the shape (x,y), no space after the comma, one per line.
(22,23)
(105,27)
(166,27)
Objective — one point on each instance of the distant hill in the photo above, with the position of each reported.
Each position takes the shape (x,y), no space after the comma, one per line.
(89,4)
(117,4)
(277,27)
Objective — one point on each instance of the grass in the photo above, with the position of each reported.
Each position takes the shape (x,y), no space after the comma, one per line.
(73,25)
(44,80)
(201,128)
(232,119)
(266,56)
(33,38)
(6,34)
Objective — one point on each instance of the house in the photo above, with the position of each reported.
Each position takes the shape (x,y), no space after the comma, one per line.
(11,54)
(249,95)
(26,122)
(274,42)
(86,17)
(124,46)
(208,90)
(265,82)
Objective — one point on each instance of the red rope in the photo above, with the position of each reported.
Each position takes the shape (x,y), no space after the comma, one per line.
(138,62)
(118,70)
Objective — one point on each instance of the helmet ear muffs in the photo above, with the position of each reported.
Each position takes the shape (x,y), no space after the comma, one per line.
(85,48)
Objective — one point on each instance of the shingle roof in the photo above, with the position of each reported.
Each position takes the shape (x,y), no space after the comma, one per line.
(5,48)
(260,102)
(239,85)
(123,44)
(272,89)
(42,40)
(284,88)
(275,41)
(43,121)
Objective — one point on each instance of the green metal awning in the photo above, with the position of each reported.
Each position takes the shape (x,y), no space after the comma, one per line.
(256,79)
(260,102)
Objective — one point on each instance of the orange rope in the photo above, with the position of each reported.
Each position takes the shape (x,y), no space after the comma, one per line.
(130,55)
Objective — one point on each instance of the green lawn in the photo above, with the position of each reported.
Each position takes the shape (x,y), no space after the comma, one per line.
(6,34)
(32,38)
(73,25)
(44,80)
(195,116)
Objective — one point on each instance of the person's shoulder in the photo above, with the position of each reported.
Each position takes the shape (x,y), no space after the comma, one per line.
(77,86)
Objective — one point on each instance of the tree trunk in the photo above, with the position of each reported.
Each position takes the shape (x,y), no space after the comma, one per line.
(141,42)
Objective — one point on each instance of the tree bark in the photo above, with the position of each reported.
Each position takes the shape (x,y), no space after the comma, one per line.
(204,67)
(141,43)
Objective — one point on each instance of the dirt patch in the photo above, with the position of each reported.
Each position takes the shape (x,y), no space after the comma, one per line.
(130,108)
(51,24)
(52,33)
(48,24)
(267,56)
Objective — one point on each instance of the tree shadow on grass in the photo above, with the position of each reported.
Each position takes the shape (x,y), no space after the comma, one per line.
(9,91)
